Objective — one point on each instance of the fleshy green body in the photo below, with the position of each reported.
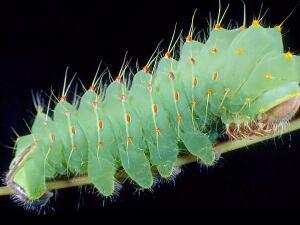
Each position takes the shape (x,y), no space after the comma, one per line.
(233,77)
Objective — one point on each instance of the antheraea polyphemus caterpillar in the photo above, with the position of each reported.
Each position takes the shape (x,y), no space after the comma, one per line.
(240,80)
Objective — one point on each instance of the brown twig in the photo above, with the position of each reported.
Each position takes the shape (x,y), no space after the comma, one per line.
(220,148)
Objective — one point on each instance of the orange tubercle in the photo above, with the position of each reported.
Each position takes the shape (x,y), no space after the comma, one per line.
(100,124)
(129,139)
(155,108)
(73,130)
(179,117)
(53,138)
(177,96)
(118,79)
(189,38)
(195,82)
(45,122)
(63,98)
(122,97)
(92,88)
(150,88)
(95,104)
(171,75)
(192,60)
(218,26)
(128,118)
(146,69)
(168,55)
(215,76)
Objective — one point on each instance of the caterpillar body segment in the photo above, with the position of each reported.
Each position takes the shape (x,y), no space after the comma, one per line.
(238,78)
(161,139)
(102,145)
(44,129)
(30,166)
(73,137)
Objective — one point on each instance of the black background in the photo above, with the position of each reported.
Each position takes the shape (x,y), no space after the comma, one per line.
(38,39)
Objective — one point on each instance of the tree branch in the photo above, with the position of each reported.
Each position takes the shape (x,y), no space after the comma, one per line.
(220,148)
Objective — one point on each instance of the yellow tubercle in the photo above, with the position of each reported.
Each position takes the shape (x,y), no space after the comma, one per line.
(247,101)
(288,55)
(240,52)
(215,76)
(226,90)
(262,110)
(214,50)
(278,28)
(218,26)
(255,23)
(194,102)
(295,94)
(209,91)
(268,76)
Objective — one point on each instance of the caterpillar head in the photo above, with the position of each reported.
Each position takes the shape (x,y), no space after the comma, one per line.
(264,83)
(268,122)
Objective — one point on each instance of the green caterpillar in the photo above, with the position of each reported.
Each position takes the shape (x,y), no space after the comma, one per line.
(238,80)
